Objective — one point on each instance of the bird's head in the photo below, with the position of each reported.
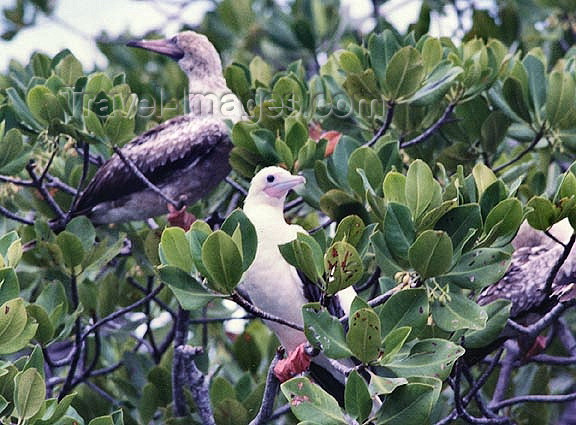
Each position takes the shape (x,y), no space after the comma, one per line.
(271,185)
(194,53)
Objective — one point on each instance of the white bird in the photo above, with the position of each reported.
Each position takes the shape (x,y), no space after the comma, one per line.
(272,284)
(185,157)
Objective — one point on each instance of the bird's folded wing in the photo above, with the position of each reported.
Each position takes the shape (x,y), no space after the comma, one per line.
(158,153)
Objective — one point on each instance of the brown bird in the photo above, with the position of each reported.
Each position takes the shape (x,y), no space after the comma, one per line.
(185,157)
(532,261)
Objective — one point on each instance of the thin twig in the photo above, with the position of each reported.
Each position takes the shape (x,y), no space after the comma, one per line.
(122,311)
(372,280)
(16,181)
(385,127)
(432,129)
(160,303)
(559,262)
(270,391)
(39,185)
(545,321)
(251,308)
(531,146)
(512,352)
(535,398)
(8,214)
(237,186)
(76,352)
(144,179)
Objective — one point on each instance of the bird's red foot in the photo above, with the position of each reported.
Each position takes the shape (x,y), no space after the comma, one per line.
(180,218)
(298,361)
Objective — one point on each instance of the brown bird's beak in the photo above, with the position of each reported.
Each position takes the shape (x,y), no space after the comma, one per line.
(164,47)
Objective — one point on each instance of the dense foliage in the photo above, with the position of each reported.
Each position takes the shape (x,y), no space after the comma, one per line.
(426,153)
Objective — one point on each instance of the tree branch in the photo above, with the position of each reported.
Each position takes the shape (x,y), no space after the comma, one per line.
(505,373)
(270,391)
(531,146)
(8,214)
(179,364)
(39,185)
(559,262)
(251,308)
(385,126)
(432,129)
(197,382)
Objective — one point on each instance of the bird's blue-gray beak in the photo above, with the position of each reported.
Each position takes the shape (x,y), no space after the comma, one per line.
(164,47)
(281,187)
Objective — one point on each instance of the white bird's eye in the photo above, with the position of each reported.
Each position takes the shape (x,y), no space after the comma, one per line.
(270,178)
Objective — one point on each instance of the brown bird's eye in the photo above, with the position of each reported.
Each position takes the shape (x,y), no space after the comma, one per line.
(270,179)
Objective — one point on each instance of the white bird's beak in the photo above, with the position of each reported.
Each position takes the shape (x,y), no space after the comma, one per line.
(164,47)
(281,187)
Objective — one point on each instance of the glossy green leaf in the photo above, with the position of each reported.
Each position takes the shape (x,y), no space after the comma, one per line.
(350,230)
(458,221)
(71,247)
(382,385)
(407,308)
(343,267)
(399,231)
(422,190)
(543,215)
(325,331)
(497,313)
(366,159)
(403,74)
(175,250)
(458,313)
(436,84)
(305,254)
(513,93)
(223,260)
(337,204)
(560,99)
(478,268)
(309,402)
(393,343)
(357,397)
(430,357)
(9,285)
(409,404)
(503,222)
(363,335)
(248,242)
(29,393)
(382,47)
(188,291)
(483,176)
(11,147)
(44,104)
(119,128)
(431,253)
(395,187)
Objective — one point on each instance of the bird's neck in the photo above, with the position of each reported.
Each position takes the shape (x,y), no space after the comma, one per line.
(265,218)
(210,96)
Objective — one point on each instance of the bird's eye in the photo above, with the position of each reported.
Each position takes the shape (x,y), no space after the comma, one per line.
(174,39)
(270,178)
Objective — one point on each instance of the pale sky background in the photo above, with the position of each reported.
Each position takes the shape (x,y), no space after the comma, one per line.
(76,23)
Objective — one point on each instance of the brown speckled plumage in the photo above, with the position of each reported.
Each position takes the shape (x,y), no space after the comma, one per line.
(534,257)
(185,157)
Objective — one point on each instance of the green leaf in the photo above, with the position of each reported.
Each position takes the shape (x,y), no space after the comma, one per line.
(503,222)
(325,331)
(437,84)
(29,393)
(13,320)
(430,357)
(407,308)
(188,291)
(458,313)
(431,253)
(45,331)
(44,105)
(9,285)
(309,402)
(394,187)
(409,404)
(366,159)
(83,228)
(11,147)
(343,267)
(22,110)
(483,176)
(338,204)
(497,313)
(478,268)
(513,93)
(381,385)
(560,99)
(71,247)
(399,231)
(223,260)
(536,71)
(119,128)
(350,230)
(382,47)
(493,130)
(305,254)
(543,214)
(69,69)
(363,335)
(357,397)
(403,74)
(422,190)
(393,343)
(249,239)
(175,249)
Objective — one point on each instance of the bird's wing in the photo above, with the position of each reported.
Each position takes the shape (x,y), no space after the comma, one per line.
(158,153)
(524,282)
